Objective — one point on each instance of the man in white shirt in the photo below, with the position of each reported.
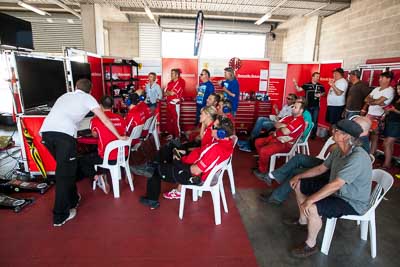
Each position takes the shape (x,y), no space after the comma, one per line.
(153,91)
(336,96)
(59,132)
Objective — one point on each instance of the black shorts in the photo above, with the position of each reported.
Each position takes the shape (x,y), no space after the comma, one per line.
(329,207)
(334,114)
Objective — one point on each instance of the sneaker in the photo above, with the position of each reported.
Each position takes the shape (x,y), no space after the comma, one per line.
(245,148)
(72,214)
(259,175)
(101,181)
(242,143)
(173,194)
(153,204)
(304,251)
(78,202)
(169,137)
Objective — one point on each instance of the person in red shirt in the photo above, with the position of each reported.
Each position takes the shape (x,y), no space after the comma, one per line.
(207,118)
(136,114)
(192,169)
(104,137)
(287,131)
(173,93)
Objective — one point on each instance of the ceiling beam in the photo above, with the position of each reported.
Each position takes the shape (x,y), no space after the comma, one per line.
(46,7)
(192,14)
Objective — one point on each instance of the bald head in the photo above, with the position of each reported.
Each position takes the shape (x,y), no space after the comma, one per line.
(365,124)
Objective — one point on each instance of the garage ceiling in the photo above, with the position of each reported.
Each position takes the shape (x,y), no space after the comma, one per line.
(239,10)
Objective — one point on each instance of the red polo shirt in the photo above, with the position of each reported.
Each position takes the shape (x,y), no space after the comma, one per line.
(105,135)
(145,109)
(210,156)
(295,124)
(177,87)
(135,117)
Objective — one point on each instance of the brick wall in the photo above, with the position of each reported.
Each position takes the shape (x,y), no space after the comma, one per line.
(274,47)
(123,38)
(368,29)
(298,45)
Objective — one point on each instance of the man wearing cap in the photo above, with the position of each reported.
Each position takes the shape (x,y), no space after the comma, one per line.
(336,96)
(356,95)
(345,192)
(231,89)
(313,91)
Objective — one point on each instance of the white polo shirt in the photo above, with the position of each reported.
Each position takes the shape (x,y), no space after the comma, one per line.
(388,93)
(68,111)
(338,100)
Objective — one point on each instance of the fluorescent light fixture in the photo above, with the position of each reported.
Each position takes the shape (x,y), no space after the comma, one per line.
(148,12)
(49,20)
(32,8)
(70,21)
(67,8)
(315,10)
(263,18)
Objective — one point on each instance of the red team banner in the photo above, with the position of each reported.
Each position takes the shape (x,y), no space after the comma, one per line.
(189,69)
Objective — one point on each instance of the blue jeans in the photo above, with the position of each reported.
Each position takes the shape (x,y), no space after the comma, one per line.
(261,123)
(314,111)
(295,165)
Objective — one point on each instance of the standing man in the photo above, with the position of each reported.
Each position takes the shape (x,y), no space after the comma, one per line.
(173,95)
(313,91)
(153,91)
(231,89)
(356,95)
(205,89)
(336,96)
(59,132)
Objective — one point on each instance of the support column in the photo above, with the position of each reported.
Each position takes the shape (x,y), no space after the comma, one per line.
(92,26)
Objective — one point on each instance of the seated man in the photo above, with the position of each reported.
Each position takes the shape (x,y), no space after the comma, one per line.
(345,191)
(300,163)
(287,131)
(193,168)
(267,123)
(213,100)
(136,115)
(104,135)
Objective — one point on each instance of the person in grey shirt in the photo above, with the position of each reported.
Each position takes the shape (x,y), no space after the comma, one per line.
(346,191)
(153,91)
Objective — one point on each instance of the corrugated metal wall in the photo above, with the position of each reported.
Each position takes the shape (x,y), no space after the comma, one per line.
(149,41)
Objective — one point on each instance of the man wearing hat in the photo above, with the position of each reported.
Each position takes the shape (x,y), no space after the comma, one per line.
(356,94)
(231,89)
(345,192)
(336,96)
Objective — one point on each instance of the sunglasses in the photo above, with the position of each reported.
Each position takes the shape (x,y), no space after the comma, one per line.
(288,98)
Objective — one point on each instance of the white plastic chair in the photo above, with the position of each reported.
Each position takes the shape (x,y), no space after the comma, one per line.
(288,155)
(212,184)
(146,127)
(327,144)
(229,167)
(154,131)
(302,147)
(122,161)
(135,135)
(384,182)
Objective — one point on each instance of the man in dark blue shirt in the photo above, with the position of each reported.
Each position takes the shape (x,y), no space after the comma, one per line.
(313,92)
(203,91)
(231,89)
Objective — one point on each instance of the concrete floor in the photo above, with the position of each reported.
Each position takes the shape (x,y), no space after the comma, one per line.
(272,240)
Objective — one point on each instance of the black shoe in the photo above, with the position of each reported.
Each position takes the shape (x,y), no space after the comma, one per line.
(267,198)
(78,201)
(259,174)
(72,214)
(153,204)
(304,251)
(294,222)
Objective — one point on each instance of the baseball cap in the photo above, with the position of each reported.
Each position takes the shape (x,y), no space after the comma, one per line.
(355,73)
(340,70)
(350,127)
